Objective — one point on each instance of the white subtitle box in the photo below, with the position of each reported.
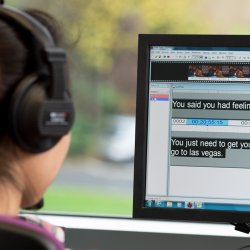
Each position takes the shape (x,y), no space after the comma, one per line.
(210,182)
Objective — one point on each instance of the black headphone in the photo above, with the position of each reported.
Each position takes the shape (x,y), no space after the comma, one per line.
(40,110)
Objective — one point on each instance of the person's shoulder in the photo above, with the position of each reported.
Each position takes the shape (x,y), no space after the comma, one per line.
(57,232)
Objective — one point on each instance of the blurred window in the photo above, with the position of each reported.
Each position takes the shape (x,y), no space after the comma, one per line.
(101,37)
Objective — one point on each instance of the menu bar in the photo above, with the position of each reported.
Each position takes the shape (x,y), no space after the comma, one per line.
(194,55)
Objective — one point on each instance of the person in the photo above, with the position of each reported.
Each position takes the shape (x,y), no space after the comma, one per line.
(24,175)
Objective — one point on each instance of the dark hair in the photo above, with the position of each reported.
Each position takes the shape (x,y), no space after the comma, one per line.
(15,63)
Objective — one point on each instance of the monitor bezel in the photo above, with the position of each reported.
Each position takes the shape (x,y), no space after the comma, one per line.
(139,210)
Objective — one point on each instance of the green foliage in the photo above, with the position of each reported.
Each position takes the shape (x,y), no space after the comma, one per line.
(109,99)
(106,28)
(81,136)
(86,201)
(109,28)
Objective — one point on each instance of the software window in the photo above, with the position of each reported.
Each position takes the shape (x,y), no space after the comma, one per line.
(198,128)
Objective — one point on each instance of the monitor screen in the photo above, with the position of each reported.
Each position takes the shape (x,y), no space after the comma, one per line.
(192,159)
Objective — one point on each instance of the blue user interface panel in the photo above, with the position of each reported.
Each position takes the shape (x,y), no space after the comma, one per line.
(198,144)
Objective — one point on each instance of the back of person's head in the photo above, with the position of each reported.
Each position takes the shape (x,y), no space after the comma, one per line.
(21,167)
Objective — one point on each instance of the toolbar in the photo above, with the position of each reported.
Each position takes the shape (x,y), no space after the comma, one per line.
(195,55)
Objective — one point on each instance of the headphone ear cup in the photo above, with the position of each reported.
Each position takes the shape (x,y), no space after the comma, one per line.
(24,116)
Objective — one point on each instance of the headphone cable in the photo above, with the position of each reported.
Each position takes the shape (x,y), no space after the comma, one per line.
(244,247)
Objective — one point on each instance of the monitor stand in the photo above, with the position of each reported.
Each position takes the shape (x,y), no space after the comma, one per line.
(242,227)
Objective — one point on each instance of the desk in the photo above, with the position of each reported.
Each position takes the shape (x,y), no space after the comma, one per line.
(130,234)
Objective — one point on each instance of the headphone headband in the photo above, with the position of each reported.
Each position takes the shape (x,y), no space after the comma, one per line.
(27,22)
(55,57)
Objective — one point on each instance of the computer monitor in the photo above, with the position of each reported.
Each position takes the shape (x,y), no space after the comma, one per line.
(192,151)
